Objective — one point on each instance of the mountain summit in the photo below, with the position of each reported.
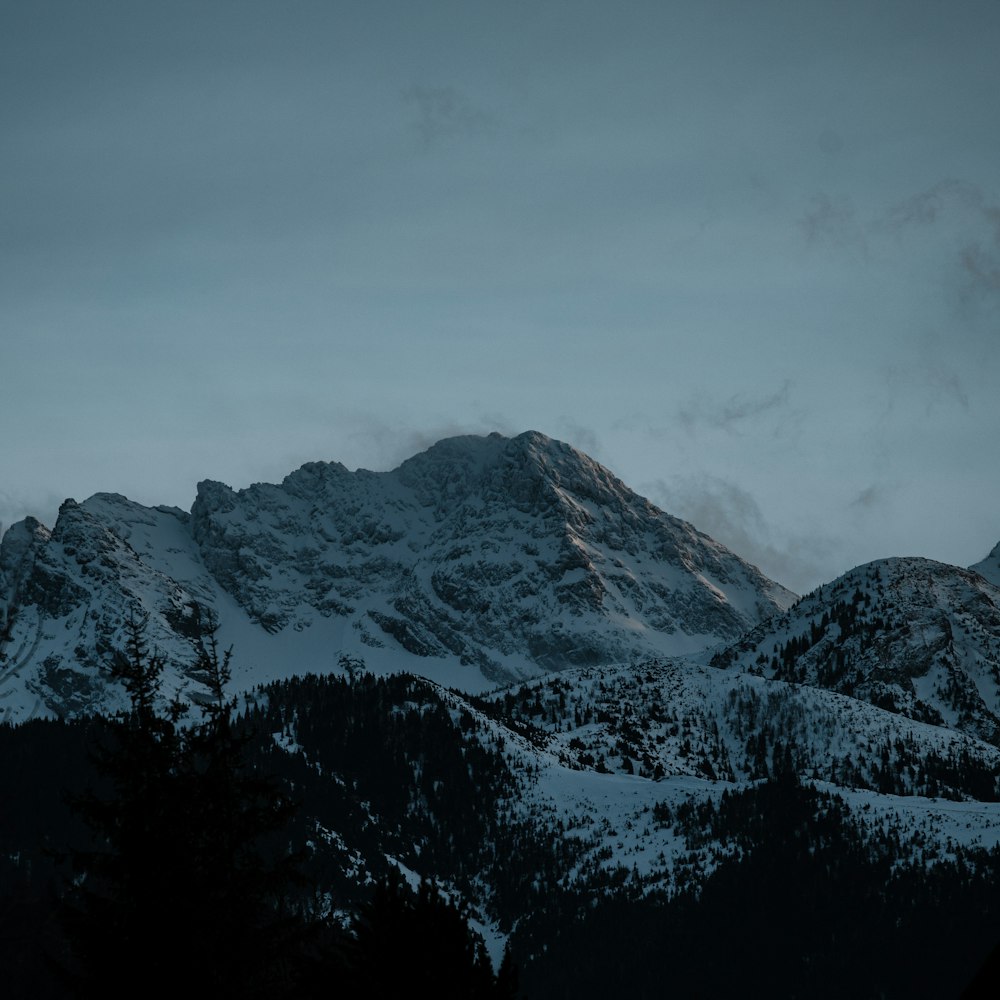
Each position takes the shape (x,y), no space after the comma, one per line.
(989,568)
(478,561)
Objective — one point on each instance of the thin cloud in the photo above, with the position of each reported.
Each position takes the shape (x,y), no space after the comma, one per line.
(388,445)
(733,412)
(445,112)
(582,438)
(956,202)
(947,385)
(830,142)
(982,265)
(944,238)
(869,497)
(14,508)
(936,383)
(729,514)
(926,207)
(833,222)
(950,201)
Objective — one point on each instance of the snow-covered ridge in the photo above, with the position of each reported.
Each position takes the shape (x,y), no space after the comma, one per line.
(912,635)
(607,753)
(990,566)
(481,560)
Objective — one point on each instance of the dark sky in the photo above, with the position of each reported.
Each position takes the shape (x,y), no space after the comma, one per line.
(746,255)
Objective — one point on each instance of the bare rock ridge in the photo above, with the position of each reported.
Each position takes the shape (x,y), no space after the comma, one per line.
(481,560)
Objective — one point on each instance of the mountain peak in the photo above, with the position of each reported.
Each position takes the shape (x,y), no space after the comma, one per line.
(482,559)
(990,566)
(905,633)
(465,454)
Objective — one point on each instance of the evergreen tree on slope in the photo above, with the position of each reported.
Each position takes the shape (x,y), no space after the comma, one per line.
(178,889)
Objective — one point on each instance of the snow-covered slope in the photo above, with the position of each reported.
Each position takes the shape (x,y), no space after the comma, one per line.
(621,766)
(69,591)
(607,770)
(915,636)
(676,718)
(481,560)
(990,566)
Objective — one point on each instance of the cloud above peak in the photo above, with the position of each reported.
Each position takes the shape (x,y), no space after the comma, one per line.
(732,414)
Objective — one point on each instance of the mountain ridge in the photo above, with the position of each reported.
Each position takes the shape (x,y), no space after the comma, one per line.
(847,737)
(478,561)
(916,636)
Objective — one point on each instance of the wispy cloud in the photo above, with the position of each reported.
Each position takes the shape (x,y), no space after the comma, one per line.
(926,207)
(580,437)
(730,414)
(957,202)
(930,376)
(933,257)
(389,444)
(968,220)
(982,265)
(446,112)
(729,514)
(833,222)
(16,508)
(870,496)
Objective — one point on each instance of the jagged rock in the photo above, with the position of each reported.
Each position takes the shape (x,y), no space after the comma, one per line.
(482,559)
(480,545)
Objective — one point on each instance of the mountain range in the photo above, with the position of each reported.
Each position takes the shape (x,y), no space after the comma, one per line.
(480,561)
(498,667)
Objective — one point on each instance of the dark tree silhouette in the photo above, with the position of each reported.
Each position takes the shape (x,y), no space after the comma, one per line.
(418,943)
(179,887)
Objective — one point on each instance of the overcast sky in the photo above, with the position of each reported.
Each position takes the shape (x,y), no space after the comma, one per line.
(747,255)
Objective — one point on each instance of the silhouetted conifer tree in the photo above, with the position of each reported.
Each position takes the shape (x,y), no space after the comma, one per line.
(178,889)
(419,944)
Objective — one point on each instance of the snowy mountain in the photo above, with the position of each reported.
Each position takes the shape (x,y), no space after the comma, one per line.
(600,761)
(635,785)
(990,566)
(642,788)
(918,637)
(678,741)
(481,560)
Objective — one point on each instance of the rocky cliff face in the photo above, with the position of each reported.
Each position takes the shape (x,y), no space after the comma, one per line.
(481,560)
(480,547)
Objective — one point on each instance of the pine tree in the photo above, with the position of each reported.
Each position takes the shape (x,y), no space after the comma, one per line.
(418,943)
(178,888)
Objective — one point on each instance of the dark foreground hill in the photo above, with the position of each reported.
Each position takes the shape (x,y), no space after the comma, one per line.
(786,883)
